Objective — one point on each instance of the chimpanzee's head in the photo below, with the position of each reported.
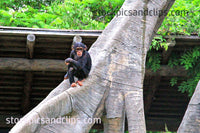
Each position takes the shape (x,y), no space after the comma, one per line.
(79,48)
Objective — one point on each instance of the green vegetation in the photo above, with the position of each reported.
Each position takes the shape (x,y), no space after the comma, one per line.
(59,14)
(186,19)
(90,14)
(183,18)
(190,61)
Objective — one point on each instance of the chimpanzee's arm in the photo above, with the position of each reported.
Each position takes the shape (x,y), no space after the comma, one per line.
(73,62)
(83,63)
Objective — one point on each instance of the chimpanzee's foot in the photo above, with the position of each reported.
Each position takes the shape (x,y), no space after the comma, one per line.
(80,82)
(73,85)
(66,78)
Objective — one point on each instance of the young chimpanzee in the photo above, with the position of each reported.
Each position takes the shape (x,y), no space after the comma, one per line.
(79,64)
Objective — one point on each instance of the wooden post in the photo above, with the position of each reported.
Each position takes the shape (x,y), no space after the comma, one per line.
(26,93)
(30,45)
(166,54)
(76,39)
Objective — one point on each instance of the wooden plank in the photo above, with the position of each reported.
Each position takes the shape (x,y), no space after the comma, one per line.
(13,38)
(167,109)
(12,49)
(172,100)
(47,78)
(10,83)
(49,74)
(5,98)
(50,56)
(10,93)
(18,77)
(43,88)
(185,37)
(53,45)
(66,40)
(15,103)
(36,99)
(51,51)
(21,64)
(10,87)
(9,43)
(162,114)
(167,71)
(153,118)
(168,104)
(166,95)
(47,32)
(12,54)
(9,108)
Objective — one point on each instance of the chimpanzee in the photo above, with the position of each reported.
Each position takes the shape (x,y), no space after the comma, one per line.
(79,64)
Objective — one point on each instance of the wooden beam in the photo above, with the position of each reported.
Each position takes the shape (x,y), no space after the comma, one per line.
(21,64)
(30,45)
(166,53)
(167,71)
(4,30)
(25,106)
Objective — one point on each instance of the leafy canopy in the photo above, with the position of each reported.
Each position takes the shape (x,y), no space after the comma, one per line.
(183,18)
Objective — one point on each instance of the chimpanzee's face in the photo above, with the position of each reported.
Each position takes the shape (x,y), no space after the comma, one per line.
(79,51)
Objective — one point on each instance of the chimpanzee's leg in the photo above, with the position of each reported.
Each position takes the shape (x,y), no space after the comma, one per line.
(66,76)
(71,75)
(81,76)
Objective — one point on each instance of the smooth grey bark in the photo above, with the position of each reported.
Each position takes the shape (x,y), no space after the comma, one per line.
(191,119)
(115,81)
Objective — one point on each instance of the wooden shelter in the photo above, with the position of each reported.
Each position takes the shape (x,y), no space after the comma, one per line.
(32,64)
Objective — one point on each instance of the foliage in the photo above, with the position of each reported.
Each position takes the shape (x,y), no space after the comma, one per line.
(159,42)
(173,81)
(153,60)
(173,61)
(95,131)
(70,14)
(17,4)
(103,10)
(190,60)
(183,18)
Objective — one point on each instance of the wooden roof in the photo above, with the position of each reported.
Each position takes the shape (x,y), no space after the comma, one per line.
(26,80)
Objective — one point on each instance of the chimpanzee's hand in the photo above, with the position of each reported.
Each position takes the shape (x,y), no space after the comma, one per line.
(68,60)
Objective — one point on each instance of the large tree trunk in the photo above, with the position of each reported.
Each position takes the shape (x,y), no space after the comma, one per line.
(115,81)
(191,119)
